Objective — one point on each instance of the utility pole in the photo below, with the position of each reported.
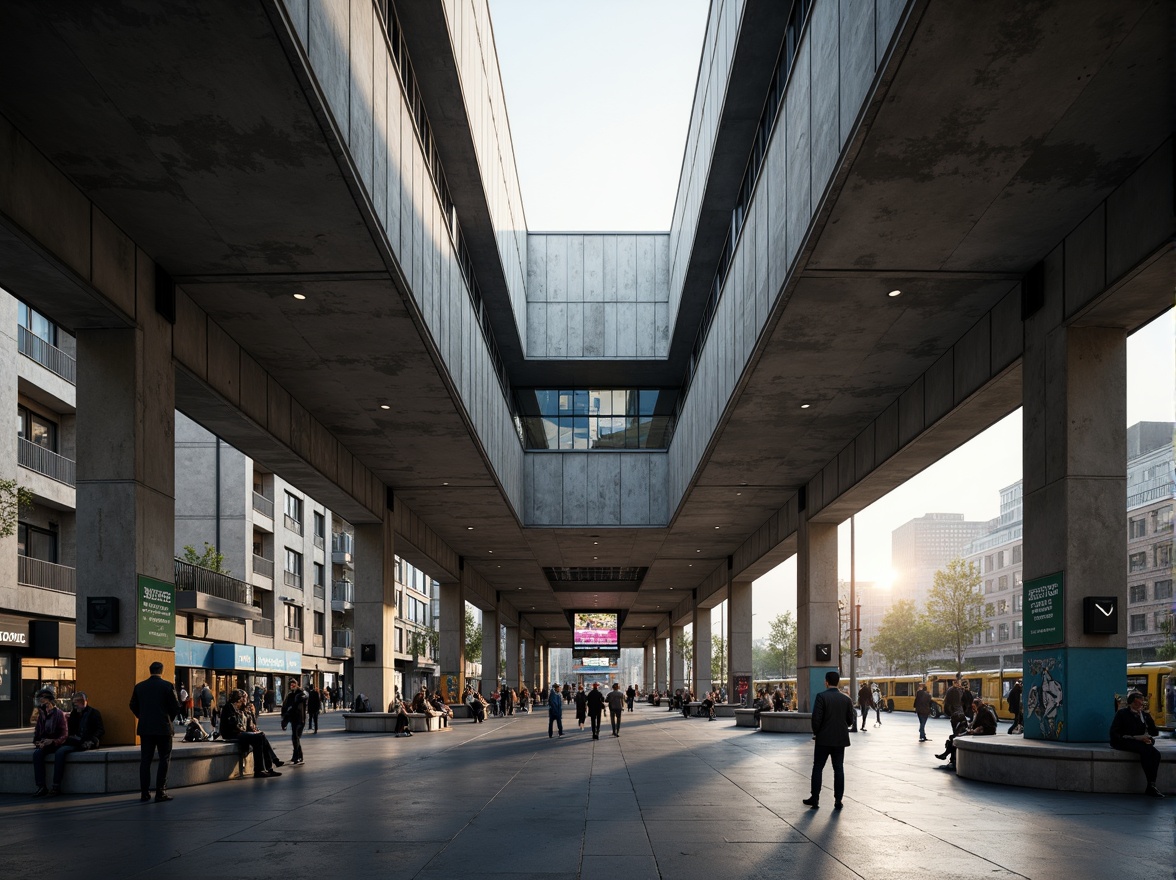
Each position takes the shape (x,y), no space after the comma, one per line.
(853,633)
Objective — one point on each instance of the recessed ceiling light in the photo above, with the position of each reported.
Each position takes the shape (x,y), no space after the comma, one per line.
(738,493)
(716,527)
(469,528)
(894,293)
(489,551)
(300,296)
(595,557)
(805,405)
(385,406)
(444,484)
(697,551)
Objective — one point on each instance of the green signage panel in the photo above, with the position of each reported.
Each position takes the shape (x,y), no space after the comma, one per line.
(157,613)
(1044,603)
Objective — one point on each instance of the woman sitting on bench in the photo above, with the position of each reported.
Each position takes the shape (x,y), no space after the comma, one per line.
(234,727)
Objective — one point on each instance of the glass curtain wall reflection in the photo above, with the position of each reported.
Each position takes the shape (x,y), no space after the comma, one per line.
(578,418)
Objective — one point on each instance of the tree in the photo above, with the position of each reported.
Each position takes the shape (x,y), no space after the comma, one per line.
(905,639)
(955,607)
(684,645)
(210,558)
(1166,651)
(718,659)
(782,644)
(472,651)
(12,499)
(763,663)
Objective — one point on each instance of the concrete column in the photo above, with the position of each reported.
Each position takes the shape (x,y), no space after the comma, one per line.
(702,651)
(659,659)
(126,504)
(677,661)
(738,638)
(816,607)
(452,644)
(535,667)
(647,667)
(1075,497)
(489,651)
(375,613)
(512,657)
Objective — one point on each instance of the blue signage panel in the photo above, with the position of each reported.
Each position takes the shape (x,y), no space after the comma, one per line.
(190,652)
(269,660)
(294,662)
(232,656)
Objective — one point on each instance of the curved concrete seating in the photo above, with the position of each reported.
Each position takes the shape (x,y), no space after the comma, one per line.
(385,722)
(787,722)
(726,710)
(1034,763)
(116,769)
(744,717)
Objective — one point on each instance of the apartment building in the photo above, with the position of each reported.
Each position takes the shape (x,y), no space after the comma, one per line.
(1151,491)
(37,560)
(998,556)
(922,546)
(415,640)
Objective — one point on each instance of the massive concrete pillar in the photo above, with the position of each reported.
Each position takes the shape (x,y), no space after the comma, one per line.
(451,650)
(647,667)
(659,659)
(816,608)
(126,506)
(677,678)
(375,613)
(702,652)
(738,638)
(511,676)
(1075,497)
(490,659)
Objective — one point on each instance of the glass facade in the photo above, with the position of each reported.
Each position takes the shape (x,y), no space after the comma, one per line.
(581,418)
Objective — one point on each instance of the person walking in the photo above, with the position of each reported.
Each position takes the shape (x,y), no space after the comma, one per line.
(616,706)
(865,702)
(923,709)
(155,704)
(183,697)
(630,696)
(554,711)
(953,699)
(595,705)
(314,704)
(833,716)
(294,716)
(205,701)
(1014,700)
(581,705)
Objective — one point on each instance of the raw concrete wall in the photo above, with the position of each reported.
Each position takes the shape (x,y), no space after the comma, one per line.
(596,488)
(598,296)
(346,49)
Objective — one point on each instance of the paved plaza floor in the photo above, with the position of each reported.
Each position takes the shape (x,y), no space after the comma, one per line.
(671,798)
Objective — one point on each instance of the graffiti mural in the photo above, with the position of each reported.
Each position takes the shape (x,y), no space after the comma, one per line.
(1045,675)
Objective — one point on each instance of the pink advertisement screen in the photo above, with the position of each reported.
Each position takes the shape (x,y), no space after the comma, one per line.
(594,629)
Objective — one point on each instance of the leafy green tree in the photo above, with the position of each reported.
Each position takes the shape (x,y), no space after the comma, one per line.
(1167,650)
(684,645)
(782,645)
(718,659)
(955,607)
(473,637)
(210,558)
(905,639)
(12,499)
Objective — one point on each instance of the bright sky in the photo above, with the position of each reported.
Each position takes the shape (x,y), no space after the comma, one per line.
(599,97)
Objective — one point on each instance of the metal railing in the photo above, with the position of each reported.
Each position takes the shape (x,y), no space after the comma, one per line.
(263,566)
(293,524)
(343,591)
(46,354)
(45,461)
(191,577)
(263,627)
(34,572)
(263,505)
(341,542)
(341,638)
(293,633)
(320,592)
(319,542)
(292,580)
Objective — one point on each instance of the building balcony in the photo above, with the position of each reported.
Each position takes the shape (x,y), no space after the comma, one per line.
(290,579)
(343,549)
(213,595)
(341,643)
(263,627)
(47,355)
(45,461)
(33,572)
(293,633)
(292,524)
(342,595)
(263,566)
(263,505)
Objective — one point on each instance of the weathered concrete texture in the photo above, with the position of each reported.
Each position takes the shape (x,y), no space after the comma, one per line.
(816,604)
(591,488)
(375,612)
(701,675)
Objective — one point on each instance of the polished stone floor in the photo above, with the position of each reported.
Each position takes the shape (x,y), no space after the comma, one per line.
(671,798)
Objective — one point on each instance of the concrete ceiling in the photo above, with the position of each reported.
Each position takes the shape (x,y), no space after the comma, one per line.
(994,132)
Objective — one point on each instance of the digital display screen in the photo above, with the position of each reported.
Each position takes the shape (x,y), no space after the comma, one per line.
(594,629)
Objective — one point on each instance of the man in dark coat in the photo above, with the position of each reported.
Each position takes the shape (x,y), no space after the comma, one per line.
(833,716)
(1014,700)
(595,706)
(554,711)
(1133,730)
(314,704)
(155,704)
(294,716)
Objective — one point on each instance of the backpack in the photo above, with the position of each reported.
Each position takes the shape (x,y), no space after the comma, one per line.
(194,733)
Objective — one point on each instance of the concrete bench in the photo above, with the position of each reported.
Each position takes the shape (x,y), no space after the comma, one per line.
(1034,763)
(744,717)
(786,722)
(725,710)
(385,722)
(419,722)
(460,710)
(116,769)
